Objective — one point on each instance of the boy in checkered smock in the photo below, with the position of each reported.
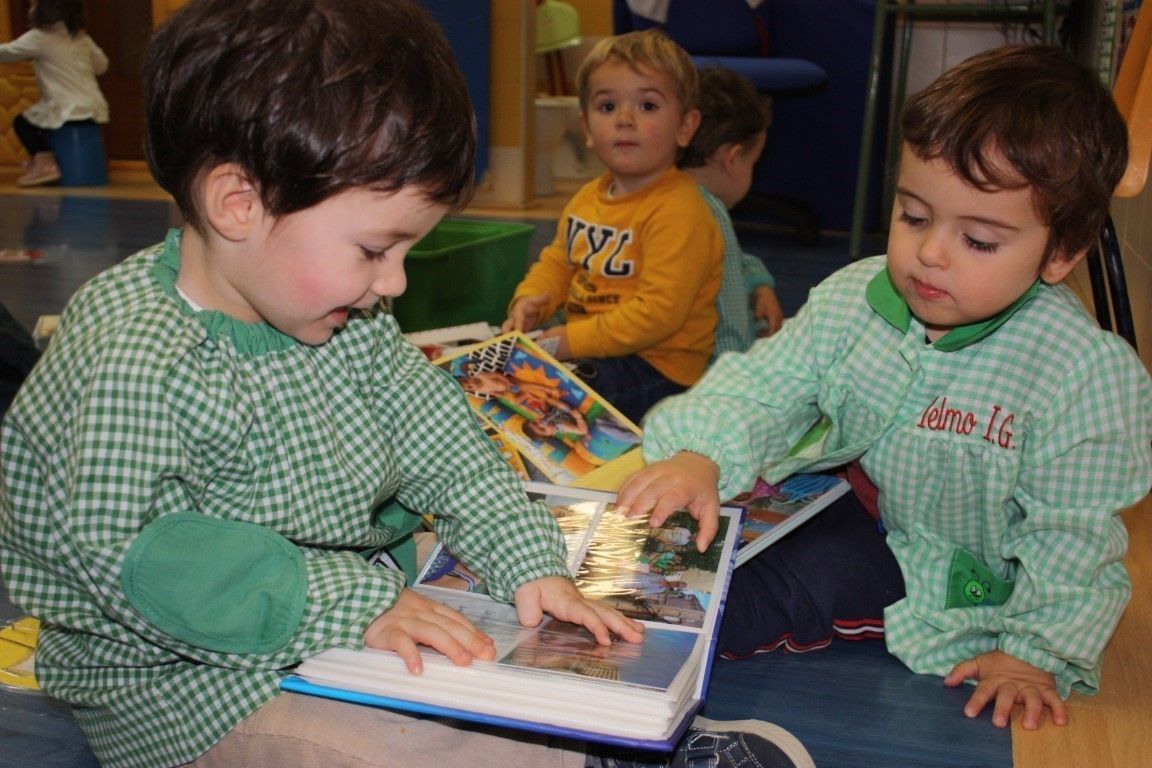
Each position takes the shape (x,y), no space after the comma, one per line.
(994,430)
(227,424)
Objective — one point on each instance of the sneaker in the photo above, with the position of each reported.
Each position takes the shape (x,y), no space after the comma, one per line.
(36,176)
(716,744)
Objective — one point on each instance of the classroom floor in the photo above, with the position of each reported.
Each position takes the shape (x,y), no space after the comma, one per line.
(852,704)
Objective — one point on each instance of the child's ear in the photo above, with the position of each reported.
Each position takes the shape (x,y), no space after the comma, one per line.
(728,155)
(1059,266)
(584,129)
(231,202)
(688,125)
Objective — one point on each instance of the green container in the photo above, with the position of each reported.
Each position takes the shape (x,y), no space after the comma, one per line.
(463,271)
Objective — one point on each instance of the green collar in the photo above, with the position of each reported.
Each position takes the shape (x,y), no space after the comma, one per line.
(248,338)
(889,304)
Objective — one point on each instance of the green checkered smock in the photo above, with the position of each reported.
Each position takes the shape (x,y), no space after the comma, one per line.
(185,501)
(743,273)
(1003,453)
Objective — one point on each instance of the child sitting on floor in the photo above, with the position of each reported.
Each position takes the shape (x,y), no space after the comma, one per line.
(636,261)
(227,425)
(721,156)
(1002,428)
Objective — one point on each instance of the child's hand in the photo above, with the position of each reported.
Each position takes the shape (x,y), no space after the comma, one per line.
(559,348)
(525,313)
(1009,681)
(416,620)
(558,597)
(766,307)
(685,481)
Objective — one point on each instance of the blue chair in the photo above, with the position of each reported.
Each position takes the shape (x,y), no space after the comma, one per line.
(730,34)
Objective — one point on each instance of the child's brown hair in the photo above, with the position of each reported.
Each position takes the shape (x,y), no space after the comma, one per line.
(732,111)
(1027,116)
(651,49)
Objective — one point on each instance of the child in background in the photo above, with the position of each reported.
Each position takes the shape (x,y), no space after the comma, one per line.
(226,425)
(66,61)
(721,156)
(636,262)
(1003,429)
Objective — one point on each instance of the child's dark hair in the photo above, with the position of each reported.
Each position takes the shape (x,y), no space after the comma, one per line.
(1027,116)
(732,111)
(45,13)
(310,98)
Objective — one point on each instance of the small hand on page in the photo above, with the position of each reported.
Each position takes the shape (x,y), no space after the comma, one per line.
(415,620)
(685,481)
(558,597)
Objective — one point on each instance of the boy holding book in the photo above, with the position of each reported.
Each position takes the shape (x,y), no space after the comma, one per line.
(636,261)
(1003,430)
(226,425)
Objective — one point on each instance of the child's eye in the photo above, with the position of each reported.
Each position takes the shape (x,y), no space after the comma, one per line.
(373,254)
(649,106)
(605,107)
(980,245)
(912,221)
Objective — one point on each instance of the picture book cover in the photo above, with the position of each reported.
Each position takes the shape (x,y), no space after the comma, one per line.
(562,429)
(640,695)
(771,511)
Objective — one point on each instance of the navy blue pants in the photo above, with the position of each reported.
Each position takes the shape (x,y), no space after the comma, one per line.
(832,576)
(630,383)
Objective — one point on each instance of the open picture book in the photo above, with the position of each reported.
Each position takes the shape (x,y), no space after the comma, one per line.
(555,678)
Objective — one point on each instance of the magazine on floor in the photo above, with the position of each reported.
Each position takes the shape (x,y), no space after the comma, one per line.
(771,511)
(563,431)
(555,678)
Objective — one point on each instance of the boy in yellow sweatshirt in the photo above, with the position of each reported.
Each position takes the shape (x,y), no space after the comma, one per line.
(636,261)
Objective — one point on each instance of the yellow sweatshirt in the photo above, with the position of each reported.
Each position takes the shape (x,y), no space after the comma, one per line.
(636,274)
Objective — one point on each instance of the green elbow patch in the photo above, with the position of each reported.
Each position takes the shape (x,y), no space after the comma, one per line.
(222,585)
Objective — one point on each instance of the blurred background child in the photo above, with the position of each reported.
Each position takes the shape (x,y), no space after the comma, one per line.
(67,62)
(734,121)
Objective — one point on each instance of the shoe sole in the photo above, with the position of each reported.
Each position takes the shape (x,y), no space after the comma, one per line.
(37,181)
(783,739)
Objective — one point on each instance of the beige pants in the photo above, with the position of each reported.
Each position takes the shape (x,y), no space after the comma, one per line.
(310,732)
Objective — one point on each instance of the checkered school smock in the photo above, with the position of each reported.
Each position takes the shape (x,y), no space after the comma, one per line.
(186,500)
(743,273)
(1002,456)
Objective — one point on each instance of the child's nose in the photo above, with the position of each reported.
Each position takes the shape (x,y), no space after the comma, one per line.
(933,250)
(391,280)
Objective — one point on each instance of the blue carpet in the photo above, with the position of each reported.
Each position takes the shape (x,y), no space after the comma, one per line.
(855,706)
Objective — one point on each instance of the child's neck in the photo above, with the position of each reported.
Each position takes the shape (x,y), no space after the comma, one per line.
(202,283)
(622,186)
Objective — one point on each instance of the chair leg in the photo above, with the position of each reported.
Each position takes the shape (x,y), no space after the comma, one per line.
(1117,284)
(1095,263)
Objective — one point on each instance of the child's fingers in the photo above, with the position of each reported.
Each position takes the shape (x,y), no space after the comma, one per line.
(709,524)
(1056,704)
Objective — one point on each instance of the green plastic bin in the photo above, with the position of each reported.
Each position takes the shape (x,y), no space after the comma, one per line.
(463,271)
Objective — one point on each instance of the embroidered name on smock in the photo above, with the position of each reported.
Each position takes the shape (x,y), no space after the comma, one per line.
(995,427)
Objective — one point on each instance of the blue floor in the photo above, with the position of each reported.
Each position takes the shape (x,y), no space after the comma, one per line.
(853,705)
